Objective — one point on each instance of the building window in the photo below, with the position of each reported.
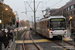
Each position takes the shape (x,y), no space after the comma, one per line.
(64,10)
(74,12)
(68,8)
(69,13)
(72,7)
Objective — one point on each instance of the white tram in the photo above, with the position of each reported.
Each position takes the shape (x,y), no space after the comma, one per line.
(52,26)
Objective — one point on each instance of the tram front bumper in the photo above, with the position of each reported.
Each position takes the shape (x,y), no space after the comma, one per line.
(58,34)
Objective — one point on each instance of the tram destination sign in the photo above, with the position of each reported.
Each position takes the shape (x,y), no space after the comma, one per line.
(57,19)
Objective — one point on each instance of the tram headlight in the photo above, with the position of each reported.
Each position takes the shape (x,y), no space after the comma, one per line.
(50,31)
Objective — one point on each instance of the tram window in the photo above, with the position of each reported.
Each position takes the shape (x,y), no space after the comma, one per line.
(57,24)
(48,24)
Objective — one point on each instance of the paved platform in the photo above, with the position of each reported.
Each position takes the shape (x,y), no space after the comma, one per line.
(39,40)
(67,39)
(30,41)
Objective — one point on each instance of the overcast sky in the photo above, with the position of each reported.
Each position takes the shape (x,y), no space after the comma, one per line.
(19,6)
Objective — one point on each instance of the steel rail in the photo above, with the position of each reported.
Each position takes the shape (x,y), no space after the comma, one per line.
(61,44)
(33,41)
(69,43)
(23,45)
(23,42)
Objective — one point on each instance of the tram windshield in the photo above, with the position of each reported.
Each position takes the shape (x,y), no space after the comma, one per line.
(57,24)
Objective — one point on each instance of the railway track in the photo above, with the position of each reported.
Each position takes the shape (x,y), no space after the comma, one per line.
(64,45)
(59,43)
(23,41)
(30,38)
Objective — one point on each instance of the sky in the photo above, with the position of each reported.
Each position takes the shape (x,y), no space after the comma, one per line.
(21,6)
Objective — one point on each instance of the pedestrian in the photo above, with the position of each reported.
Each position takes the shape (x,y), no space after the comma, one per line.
(10,35)
(1,40)
(5,38)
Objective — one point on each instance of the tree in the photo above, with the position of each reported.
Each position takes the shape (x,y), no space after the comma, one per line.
(6,14)
(22,23)
(27,21)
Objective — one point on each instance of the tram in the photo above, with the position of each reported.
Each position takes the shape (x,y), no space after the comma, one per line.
(52,26)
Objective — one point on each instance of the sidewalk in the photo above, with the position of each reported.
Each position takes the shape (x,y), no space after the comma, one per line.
(12,46)
(68,35)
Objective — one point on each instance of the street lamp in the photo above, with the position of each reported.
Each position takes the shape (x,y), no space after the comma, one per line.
(2,16)
(32,21)
(70,18)
(14,13)
(0,24)
(6,9)
(16,16)
(0,21)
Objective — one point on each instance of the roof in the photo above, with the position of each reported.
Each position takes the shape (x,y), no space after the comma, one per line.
(53,17)
(56,17)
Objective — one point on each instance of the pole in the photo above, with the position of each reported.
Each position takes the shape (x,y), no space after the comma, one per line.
(72,34)
(62,42)
(10,19)
(70,26)
(32,21)
(34,18)
(2,19)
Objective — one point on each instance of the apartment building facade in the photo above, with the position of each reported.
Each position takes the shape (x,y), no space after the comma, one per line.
(67,10)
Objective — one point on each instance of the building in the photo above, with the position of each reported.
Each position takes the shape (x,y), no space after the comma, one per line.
(48,12)
(67,10)
(52,11)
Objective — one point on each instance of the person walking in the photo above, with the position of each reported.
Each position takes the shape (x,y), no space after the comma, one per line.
(5,38)
(1,40)
(10,35)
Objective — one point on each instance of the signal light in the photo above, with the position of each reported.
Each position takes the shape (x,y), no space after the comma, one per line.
(17,23)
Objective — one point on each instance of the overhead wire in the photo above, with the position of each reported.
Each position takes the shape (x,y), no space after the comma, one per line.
(56,3)
(47,1)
